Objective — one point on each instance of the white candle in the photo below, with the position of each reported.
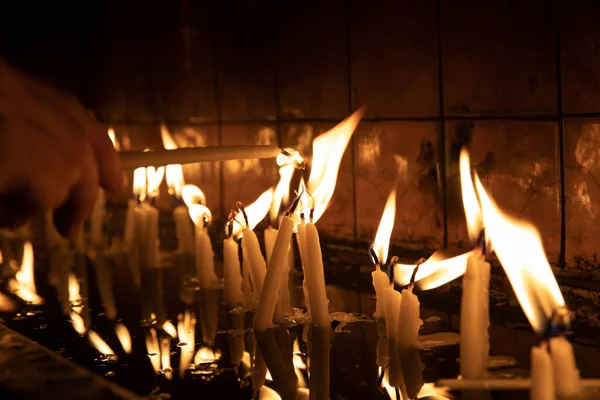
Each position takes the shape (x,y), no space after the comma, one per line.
(270,237)
(129,230)
(151,235)
(258,266)
(542,380)
(97,220)
(474,318)
(266,306)
(205,263)
(316,278)
(393,303)
(136,159)
(408,321)
(566,375)
(283,306)
(184,230)
(141,243)
(231,273)
(104,281)
(301,240)
(381,281)
(246,285)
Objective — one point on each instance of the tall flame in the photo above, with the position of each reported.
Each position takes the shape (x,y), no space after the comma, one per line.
(255,212)
(328,150)
(469,198)
(192,194)
(174,172)
(282,191)
(23,285)
(519,248)
(436,271)
(386,225)
(139,183)
(99,344)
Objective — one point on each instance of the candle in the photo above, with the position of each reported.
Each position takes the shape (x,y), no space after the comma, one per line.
(266,306)
(315,278)
(246,285)
(283,305)
(135,159)
(393,303)
(408,321)
(184,230)
(231,273)
(258,267)
(566,375)
(381,282)
(97,220)
(151,235)
(320,345)
(205,264)
(301,240)
(474,318)
(104,281)
(542,380)
(129,229)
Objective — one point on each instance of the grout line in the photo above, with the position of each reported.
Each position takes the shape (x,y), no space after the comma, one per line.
(222,211)
(561,139)
(353,139)
(442,123)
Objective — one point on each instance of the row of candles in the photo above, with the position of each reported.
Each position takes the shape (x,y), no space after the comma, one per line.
(258,283)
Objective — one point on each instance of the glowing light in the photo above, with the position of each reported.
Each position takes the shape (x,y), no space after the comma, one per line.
(165,356)
(113,139)
(23,285)
(154,177)
(469,198)
(75,300)
(328,150)
(205,355)
(170,329)
(299,365)
(256,212)
(290,157)
(192,194)
(99,344)
(174,172)
(200,215)
(78,323)
(384,232)
(282,191)
(435,272)
(153,349)
(266,393)
(124,337)
(139,183)
(186,329)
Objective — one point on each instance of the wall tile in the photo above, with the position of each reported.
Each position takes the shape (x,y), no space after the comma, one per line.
(394,57)
(499,57)
(518,165)
(312,73)
(401,155)
(338,220)
(582,190)
(245,65)
(245,180)
(580,56)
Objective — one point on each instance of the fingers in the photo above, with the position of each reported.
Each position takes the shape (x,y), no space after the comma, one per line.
(71,215)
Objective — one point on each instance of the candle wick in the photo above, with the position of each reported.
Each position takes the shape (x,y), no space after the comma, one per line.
(411,285)
(482,243)
(373,254)
(390,267)
(292,208)
(240,207)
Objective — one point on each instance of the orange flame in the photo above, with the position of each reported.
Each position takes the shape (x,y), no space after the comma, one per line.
(328,150)
(23,285)
(113,139)
(205,355)
(518,246)
(139,183)
(433,273)
(99,344)
(299,364)
(255,212)
(200,215)
(165,356)
(384,232)
(469,198)
(154,177)
(282,191)
(292,157)
(192,194)
(124,337)
(174,172)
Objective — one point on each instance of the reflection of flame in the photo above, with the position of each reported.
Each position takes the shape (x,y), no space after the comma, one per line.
(123,336)
(99,344)
(328,150)
(427,390)
(174,172)
(299,364)
(186,328)
(434,272)
(113,139)
(385,383)
(23,285)
(154,176)
(255,212)
(153,349)
(165,356)
(282,191)
(518,246)
(75,300)
(78,323)
(469,198)
(386,225)
(139,183)
(192,194)
(170,329)
(205,355)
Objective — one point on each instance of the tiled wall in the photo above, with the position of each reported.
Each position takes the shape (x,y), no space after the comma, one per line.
(518,81)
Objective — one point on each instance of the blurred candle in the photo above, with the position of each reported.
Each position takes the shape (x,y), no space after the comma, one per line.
(566,375)
(231,273)
(205,264)
(97,221)
(258,267)
(542,380)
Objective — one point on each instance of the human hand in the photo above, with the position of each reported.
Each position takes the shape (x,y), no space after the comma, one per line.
(53,155)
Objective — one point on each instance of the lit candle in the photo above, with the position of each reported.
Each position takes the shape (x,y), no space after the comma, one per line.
(315,278)
(408,321)
(542,379)
(232,279)
(97,221)
(301,240)
(393,303)
(258,266)
(283,305)
(184,230)
(566,375)
(205,264)
(474,318)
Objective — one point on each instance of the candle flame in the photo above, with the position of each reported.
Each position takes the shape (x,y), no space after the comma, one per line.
(170,329)
(469,198)
(124,337)
(153,349)
(139,183)
(99,344)
(282,191)
(289,157)
(200,215)
(518,246)
(436,271)
(23,284)
(328,150)
(256,212)
(113,139)
(192,194)
(174,172)
(381,245)
(154,177)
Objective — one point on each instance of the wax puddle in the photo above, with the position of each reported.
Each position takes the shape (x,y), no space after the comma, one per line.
(439,339)
(346,318)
